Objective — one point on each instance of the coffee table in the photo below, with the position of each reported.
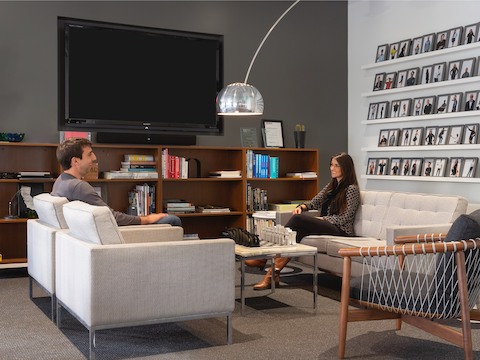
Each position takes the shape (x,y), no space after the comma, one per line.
(243,253)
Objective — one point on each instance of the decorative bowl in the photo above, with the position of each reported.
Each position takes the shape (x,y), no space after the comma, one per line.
(12,137)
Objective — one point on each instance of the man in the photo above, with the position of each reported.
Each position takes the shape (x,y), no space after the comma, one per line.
(76,157)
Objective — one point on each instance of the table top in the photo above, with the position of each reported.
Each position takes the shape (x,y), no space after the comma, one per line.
(279,250)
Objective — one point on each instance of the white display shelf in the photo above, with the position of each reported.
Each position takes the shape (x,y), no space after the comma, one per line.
(422,178)
(461,114)
(421,148)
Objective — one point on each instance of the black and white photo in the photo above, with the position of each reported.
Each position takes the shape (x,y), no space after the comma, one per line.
(470,34)
(427,167)
(467,68)
(417,107)
(428,105)
(404,48)
(401,79)
(372,111)
(442,104)
(405,107)
(455,36)
(470,134)
(455,135)
(378,81)
(453,70)
(417,45)
(439,167)
(382,166)
(412,77)
(405,137)
(405,167)
(382,109)
(416,167)
(439,72)
(454,101)
(416,136)
(442,132)
(430,135)
(441,40)
(427,75)
(455,167)
(395,164)
(471,101)
(393,135)
(469,167)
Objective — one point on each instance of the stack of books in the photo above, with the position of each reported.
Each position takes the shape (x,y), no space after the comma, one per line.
(135,166)
(212,209)
(303,175)
(226,173)
(175,206)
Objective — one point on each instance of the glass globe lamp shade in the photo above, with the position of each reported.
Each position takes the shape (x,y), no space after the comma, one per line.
(239,99)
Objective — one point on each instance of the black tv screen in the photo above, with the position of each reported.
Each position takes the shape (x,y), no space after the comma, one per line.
(123,78)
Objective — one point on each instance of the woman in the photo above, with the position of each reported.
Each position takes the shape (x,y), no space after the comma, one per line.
(337,204)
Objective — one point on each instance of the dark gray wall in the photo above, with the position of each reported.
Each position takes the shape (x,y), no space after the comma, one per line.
(301,70)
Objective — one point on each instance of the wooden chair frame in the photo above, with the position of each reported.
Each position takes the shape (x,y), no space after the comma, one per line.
(426,244)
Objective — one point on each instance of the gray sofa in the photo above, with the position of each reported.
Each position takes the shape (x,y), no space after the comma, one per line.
(382,216)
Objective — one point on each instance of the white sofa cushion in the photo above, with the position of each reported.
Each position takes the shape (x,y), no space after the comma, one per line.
(50,209)
(91,223)
(371,213)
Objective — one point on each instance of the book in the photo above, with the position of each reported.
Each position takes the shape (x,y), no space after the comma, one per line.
(138,157)
(117,174)
(303,175)
(212,209)
(41,174)
(226,173)
(282,207)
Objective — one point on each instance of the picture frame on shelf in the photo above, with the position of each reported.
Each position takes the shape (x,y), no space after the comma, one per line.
(417,45)
(405,107)
(439,167)
(470,134)
(454,136)
(405,167)
(395,166)
(393,135)
(439,72)
(454,101)
(272,133)
(453,70)
(378,81)
(417,107)
(430,135)
(372,111)
(426,75)
(412,76)
(428,105)
(469,167)
(455,167)
(248,137)
(405,137)
(416,136)
(401,79)
(371,166)
(441,40)
(427,166)
(395,109)
(428,42)
(382,166)
(416,167)
(467,68)
(404,48)
(471,98)
(390,79)
(470,34)
(382,53)
(442,104)
(383,138)
(382,110)
(455,36)
(393,50)
(442,133)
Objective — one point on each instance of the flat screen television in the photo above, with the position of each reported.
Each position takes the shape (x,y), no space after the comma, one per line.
(132,79)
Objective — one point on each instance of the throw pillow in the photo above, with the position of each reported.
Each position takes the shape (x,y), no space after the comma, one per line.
(465,227)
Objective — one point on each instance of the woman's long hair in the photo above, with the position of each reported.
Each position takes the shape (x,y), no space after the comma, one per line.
(339,201)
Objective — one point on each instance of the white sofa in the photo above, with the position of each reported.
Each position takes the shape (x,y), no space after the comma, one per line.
(106,282)
(382,216)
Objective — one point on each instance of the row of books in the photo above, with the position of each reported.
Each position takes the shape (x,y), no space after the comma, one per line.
(135,166)
(142,200)
(174,167)
(262,165)
(257,199)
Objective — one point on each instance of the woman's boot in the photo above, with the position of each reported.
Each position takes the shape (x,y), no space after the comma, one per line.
(266,282)
(260,263)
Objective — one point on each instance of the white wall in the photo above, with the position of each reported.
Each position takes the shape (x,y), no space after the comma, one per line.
(372,23)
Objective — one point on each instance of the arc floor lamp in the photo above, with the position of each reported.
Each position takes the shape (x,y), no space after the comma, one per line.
(242,98)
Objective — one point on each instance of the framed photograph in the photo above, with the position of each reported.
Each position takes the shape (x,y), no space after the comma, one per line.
(442,132)
(470,134)
(470,34)
(439,71)
(401,79)
(371,166)
(395,109)
(454,136)
(469,167)
(390,80)
(393,50)
(405,137)
(427,75)
(382,53)
(416,167)
(439,167)
(455,36)
(378,82)
(471,98)
(430,135)
(453,70)
(393,135)
(273,133)
(454,101)
(382,166)
(383,138)
(467,68)
(404,48)
(428,42)
(405,107)
(427,167)
(441,40)
(372,111)
(417,45)
(382,109)
(417,136)
(428,105)
(405,167)
(442,103)
(412,76)
(455,167)
(418,106)
(395,164)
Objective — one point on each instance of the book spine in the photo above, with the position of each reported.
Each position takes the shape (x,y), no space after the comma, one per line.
(138,157)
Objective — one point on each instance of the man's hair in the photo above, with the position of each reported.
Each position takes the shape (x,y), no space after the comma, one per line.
(70,148)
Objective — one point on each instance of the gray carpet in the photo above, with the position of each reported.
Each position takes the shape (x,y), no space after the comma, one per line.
(281,325)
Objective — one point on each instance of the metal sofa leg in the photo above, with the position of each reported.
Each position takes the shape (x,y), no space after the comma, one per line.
(59,313)
(54,300)
(91,340)
(229,329)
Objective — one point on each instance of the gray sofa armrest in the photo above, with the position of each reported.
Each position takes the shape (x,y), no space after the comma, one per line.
(394,231)
(151,233)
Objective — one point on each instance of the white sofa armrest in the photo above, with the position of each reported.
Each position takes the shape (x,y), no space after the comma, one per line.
(394,231)
(151,233)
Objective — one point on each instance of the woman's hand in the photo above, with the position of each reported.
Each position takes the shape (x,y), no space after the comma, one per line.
(297,210)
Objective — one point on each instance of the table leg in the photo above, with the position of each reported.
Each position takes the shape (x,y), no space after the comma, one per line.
(315,282)
(242,284)
(272,275)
